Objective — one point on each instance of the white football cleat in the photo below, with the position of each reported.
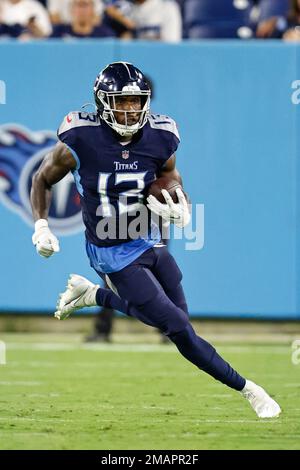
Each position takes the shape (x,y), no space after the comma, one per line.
(263,405)
(79,293)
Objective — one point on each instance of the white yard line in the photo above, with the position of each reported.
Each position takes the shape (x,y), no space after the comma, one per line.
(42,420)
(281,350)
(19,382)
(94,347)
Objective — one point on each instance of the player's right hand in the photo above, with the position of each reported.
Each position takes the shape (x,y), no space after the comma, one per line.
(45,242)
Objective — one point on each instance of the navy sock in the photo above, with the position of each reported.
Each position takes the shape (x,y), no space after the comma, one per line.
(107,298)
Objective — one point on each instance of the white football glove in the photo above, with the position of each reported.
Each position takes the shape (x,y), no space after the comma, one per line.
(45,242)
(172,212)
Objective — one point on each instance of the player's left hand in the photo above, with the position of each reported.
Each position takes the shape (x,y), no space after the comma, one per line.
(174,212)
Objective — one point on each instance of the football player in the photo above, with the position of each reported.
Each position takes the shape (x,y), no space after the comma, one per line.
(114,155)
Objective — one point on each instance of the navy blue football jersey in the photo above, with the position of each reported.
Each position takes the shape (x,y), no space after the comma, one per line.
(112,178)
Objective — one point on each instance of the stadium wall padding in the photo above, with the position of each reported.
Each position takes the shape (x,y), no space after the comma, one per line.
(238,156)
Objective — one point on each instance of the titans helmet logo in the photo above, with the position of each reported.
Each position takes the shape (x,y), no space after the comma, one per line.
(21,153)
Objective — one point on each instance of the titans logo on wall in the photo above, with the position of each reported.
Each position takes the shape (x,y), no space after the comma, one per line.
(21,152)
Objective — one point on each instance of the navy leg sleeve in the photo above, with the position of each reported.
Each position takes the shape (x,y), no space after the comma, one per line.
(145,290)
(204,356)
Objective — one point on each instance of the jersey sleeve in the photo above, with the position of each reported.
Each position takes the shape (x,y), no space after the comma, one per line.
(74,132)
(66,132)
(175,139)
(167,133)
(68,135)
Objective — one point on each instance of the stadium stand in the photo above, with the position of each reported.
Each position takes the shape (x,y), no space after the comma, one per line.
(161,19)
(215,19)
(269,8)
(277,19)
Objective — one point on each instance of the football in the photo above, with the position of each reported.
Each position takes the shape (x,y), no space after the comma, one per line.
(164,183)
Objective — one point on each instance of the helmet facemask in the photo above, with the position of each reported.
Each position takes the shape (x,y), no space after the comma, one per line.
(109,108)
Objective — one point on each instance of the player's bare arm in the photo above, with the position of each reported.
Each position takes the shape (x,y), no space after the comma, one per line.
(54,168)
(170,170)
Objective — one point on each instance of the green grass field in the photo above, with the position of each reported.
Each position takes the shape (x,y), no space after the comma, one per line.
(56,393)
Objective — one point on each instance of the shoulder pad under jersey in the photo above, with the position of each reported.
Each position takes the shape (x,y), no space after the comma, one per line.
(78,119)
(163,123)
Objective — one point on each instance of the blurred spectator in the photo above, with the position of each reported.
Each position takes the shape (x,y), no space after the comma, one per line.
(157,20)
(60,10)
(27,17)
(82,23)
(118,17)
(292,30)
(171,29)
(11,31)
(278,25)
